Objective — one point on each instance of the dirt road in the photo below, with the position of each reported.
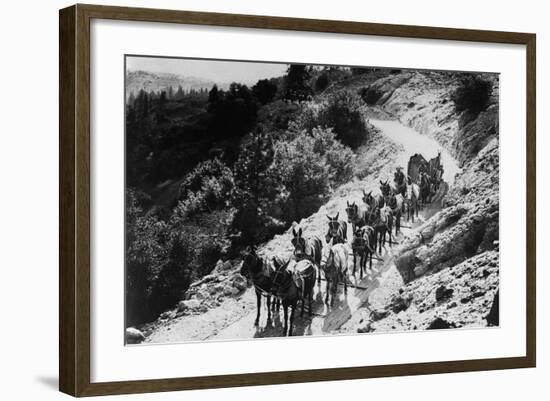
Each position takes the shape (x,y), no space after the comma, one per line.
(235,318)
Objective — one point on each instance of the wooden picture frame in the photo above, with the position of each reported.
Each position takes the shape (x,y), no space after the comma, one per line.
(74,203)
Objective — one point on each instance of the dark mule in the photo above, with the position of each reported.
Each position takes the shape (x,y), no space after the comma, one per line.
(399,182)
(425,188)
(292,286)
(261,272)
(337,230)
(363,246)
(358,215)
(336,269)
(310,248)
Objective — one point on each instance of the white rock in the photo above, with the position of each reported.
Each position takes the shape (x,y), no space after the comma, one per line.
(134,336)
(188,304)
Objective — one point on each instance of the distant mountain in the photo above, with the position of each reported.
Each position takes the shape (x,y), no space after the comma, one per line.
(149,81)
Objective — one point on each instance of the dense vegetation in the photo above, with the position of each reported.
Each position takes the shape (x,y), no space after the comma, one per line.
(473,94)
(211,171)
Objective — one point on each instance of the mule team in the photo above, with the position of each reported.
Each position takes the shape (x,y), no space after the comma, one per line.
(371,221)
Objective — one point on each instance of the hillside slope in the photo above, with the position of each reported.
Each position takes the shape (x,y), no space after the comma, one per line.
(450,268)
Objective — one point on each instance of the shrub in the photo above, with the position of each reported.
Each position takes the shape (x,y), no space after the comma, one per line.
(146,238)
(208,187)
(163,258)
(303,178)
(370,95)
(322,82)
(343,114)
(338,157)
(472,94)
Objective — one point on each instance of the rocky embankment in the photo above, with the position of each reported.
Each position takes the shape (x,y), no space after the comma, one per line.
(450,264)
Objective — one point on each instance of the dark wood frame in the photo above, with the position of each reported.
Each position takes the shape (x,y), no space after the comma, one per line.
(74,199)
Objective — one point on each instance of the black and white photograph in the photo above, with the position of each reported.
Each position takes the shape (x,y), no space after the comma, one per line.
(275,199)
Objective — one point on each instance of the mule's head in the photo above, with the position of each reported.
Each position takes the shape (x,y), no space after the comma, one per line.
(385,188)
(367,197)
(280,273)
(351,210)
(250,261)
(333,225)
(299,243)
(358,240)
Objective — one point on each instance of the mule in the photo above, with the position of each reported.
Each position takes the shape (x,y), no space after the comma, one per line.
(337,230)
(425,188)
(358,215)
(310,248)
(336,269)
(396,204)
(383,225)
(412,199)
(261,272)
(373,201)
(395,201)
(364,239)
(293,285)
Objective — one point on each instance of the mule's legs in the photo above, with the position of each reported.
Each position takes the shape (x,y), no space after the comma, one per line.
(370,259)
(258,305)
(327,289)
(344,279)
(268,301)
(355,262)
(291,323)
(397,224)
(285,318)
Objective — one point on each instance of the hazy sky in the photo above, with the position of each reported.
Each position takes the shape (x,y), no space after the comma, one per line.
(218,71)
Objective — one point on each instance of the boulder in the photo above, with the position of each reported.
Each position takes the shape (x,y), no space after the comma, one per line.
(367,328)
(400,304)
(378,314)
(439,324)
(188,304)
(134,336)
(167,315)
(239,282)
(443,293)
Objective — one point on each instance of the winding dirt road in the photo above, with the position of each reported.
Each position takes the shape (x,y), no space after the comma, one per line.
(235,319)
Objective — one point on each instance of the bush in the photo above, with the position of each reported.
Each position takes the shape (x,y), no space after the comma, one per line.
(338,157)
(322,82)
(208,187)
(472,94)
(370,95)
(163,258)
(303,178)
(343,114)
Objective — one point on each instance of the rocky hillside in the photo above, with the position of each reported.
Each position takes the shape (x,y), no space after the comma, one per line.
(450,265)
